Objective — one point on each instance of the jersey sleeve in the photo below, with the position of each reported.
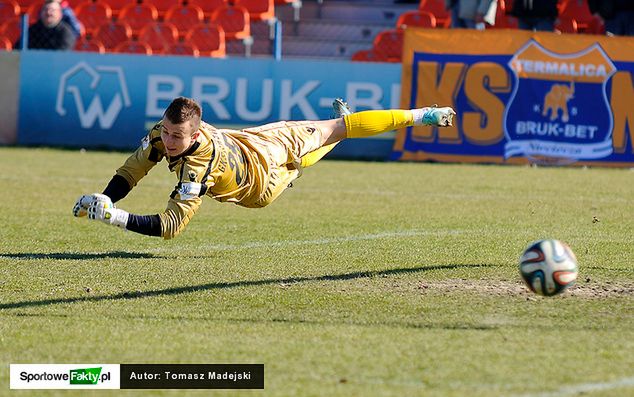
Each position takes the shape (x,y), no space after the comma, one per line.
(144,158)
(186,197)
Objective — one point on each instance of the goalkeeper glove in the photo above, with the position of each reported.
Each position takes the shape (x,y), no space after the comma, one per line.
(107,213)
(81,206)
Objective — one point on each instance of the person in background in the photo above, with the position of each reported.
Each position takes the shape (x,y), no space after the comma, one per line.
(617,15)
(50,32)
(68,16)
(470,14)
(536,14)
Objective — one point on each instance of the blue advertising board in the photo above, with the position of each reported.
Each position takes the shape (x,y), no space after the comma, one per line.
(95,100)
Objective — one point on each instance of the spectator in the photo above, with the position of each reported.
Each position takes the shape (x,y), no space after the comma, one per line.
(471,14)
(68,16)
(617,15)
(50,32)
(536,14)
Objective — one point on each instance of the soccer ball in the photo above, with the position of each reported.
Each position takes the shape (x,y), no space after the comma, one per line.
(548,267)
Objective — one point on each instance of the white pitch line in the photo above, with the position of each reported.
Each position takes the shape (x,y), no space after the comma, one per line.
(334,240)
(574,390)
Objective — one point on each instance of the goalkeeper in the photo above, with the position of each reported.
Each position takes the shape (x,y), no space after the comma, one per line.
(250,168)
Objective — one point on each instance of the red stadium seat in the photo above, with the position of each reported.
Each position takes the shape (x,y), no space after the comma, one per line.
(234,20)
(164,5)
(138,15)
(184,17)
(566,25)
(111,34)
(85,45)
(117,5)
(438,10)
(34,12)
(389,44)
(92,15)
(422,19)
(208,6)
(159,36)
(259,10)
(579,11)
(208,38)
(133,47)
(12,30)
(25,4)
(183,49)
(368,56)
(5,44)
(9,9)
(502,18)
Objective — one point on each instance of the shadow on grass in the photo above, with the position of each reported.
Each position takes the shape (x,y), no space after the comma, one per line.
(234,284)
(81,255)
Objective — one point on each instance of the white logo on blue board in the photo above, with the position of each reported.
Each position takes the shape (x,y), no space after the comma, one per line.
(559,107)
(97,86)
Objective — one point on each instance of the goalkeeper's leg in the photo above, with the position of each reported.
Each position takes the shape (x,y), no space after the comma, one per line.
(374,122)
(339,109)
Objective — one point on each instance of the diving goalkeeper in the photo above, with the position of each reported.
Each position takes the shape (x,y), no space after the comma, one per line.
(250,168)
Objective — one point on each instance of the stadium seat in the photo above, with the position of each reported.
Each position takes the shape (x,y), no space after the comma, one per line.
(234,20)
(93,15)
(368,56)
(117,5)
(208,38)
(111,34)
(9,9)
(159,36)
(12,30)
(416,18)
(85,45)
(133,47)
(34,12)
(183,49)
(208,6)
(296,4)
(138,15)
(579,11)
(502,18)
(389,45)
(184,17)
(25,4)
(259,10)
(164,5)
(437,9)
(5,44)
(566,25)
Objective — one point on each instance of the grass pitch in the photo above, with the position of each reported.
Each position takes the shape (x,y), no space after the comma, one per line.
(365,279)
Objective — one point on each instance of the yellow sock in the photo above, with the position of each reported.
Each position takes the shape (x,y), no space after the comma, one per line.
(373,122)
(316,155)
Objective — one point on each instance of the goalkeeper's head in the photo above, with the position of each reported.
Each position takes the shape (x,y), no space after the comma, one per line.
(181,122)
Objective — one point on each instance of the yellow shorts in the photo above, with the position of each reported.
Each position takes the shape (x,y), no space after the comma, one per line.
(286,142)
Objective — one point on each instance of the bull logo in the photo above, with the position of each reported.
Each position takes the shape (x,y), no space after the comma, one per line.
(559,110)
(557,99)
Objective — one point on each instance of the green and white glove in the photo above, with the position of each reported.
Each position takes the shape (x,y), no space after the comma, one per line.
(106,212)
(81,206)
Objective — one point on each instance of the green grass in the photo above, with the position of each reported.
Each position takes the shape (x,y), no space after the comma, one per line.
(365,279)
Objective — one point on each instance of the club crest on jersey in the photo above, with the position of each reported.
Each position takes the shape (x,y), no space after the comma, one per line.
(544,118)
(188,190)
